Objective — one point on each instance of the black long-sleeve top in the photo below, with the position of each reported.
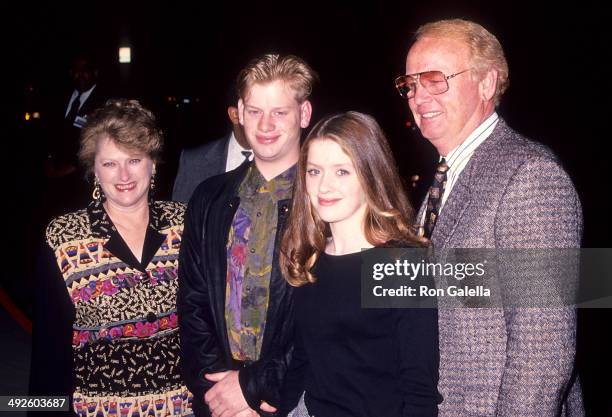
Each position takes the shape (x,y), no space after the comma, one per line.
(355,362)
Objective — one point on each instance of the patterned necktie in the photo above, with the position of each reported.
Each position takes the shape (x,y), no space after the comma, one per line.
(434,201)
(74,108)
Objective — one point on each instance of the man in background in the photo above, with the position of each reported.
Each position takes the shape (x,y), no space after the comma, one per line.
(214,158)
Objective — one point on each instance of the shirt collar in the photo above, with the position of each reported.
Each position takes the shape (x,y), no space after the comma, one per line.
(103,227)
(234,146)
(475,139)
(279,187)
(84,95)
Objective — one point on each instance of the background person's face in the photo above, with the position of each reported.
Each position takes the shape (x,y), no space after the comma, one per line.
(232,113)
(445,119)
(124,175)
(332,184)
(272,120)
(82,75)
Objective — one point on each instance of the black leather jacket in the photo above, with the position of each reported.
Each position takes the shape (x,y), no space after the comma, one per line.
(201,299)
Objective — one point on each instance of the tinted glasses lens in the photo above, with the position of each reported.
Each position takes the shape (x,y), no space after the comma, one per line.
(434,82)
(405,86)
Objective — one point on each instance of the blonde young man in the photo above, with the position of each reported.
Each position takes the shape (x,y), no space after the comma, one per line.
(234,305)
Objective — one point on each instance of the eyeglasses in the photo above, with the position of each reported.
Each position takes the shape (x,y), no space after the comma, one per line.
(435,82)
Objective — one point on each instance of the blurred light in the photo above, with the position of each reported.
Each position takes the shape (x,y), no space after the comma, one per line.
(27,116)
(36,115)
(125,55)
(186,101)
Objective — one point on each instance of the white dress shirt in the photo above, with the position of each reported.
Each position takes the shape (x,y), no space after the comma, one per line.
(234,154)
(82,99)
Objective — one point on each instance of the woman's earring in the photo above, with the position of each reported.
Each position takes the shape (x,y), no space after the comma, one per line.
(96,191)
(152,187)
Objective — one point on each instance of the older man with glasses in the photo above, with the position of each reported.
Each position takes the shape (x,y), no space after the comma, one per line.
(493,189)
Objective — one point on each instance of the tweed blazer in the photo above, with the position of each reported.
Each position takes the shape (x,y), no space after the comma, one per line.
(513,193)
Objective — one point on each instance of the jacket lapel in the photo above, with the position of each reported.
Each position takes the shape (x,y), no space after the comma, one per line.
(456,203)
(278,285)
(461,194)
(217,225)
(117,246)
(153,240)
(213,162)
(103,227)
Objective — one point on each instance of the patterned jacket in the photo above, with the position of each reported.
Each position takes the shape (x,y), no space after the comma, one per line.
(118,314)
(513,193)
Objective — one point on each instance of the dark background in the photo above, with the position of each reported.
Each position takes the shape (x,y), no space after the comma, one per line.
(559,95)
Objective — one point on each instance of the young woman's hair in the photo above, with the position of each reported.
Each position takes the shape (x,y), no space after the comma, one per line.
(388,215)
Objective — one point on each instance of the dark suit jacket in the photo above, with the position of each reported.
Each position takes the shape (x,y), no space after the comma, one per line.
(513,193)
(63,144)
(96,99)
(199,164)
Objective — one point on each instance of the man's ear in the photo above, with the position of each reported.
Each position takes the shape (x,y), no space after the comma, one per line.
(305,114)
(240,112)
(488,85)
(232,113)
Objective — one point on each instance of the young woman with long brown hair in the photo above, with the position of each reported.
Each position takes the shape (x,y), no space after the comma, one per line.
(347,360)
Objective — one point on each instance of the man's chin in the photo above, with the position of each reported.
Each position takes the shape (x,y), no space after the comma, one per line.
(268,155)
